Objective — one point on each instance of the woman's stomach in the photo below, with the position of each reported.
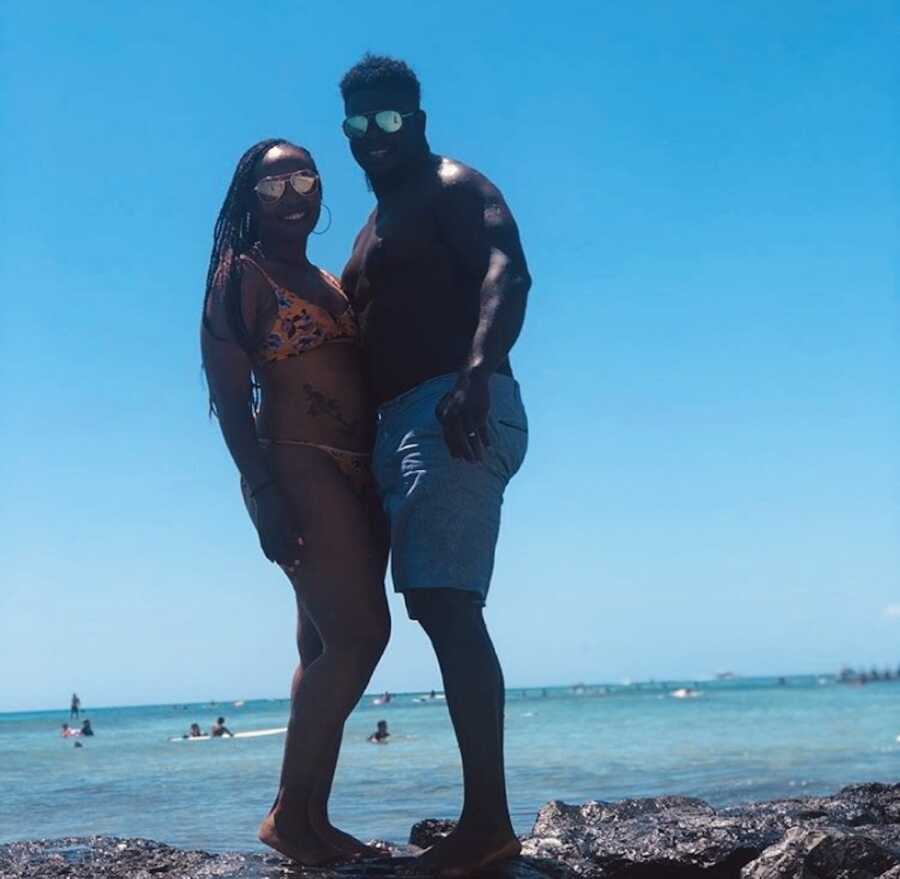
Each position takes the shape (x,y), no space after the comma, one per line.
(321,396)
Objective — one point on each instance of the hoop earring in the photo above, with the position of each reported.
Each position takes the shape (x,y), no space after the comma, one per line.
(329,221)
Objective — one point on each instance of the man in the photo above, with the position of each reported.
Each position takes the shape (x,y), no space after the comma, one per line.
(440,281)
(381,734)
(75,706)
(219,729)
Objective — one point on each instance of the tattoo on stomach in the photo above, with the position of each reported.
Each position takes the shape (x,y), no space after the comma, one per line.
(321,404)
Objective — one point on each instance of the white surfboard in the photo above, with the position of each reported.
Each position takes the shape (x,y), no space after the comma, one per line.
(249,734)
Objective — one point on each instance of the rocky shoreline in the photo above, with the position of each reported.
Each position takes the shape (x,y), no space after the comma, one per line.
(854,834)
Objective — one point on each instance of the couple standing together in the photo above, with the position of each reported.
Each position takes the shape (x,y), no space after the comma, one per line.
(372,413)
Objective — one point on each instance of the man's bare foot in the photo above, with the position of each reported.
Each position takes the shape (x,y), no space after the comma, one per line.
(306,849)
(466,853)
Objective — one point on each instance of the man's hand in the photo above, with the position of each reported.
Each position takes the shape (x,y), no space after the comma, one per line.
(463,414)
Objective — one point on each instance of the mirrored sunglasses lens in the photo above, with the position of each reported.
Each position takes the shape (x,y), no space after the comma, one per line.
(270,190)
(303,182)
(389,121)
(356,126)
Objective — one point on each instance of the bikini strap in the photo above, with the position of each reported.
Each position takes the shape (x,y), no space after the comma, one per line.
(330,279)
(247,258)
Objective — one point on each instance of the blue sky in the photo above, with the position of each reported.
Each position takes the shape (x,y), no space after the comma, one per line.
(706,196)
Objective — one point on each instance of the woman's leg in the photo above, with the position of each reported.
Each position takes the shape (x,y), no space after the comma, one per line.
(310,647)
(340,586)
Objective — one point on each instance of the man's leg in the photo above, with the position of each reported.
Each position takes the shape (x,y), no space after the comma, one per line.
(473,684)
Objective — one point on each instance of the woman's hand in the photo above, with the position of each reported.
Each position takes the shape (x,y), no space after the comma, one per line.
(278,535)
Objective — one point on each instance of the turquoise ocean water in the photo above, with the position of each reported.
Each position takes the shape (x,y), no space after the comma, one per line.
(739,740)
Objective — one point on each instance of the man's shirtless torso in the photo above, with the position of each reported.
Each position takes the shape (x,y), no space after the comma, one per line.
(415,275)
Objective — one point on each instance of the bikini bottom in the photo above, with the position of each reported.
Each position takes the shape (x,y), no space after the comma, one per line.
(355,466)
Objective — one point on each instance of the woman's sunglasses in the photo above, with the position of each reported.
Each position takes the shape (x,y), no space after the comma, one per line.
(389,121)
(272,188)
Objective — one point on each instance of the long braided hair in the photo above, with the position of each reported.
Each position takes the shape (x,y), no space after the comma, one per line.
(235,233)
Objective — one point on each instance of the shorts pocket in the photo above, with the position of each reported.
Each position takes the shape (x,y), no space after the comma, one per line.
(509,441)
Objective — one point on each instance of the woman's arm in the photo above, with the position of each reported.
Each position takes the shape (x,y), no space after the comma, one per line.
(228,372)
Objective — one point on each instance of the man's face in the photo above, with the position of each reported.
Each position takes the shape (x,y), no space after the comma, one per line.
(377,152)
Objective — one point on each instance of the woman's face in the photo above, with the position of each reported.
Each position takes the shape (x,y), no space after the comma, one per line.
(293,215)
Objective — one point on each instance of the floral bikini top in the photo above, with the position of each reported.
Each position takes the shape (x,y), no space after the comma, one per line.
(301,325)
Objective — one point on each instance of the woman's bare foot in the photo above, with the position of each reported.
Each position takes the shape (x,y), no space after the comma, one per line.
(304,848)
(465,853)
(344,842)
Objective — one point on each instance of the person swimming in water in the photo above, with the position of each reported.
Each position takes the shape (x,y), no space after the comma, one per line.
(86,728)
(381,734)
(194,732)
(219,729)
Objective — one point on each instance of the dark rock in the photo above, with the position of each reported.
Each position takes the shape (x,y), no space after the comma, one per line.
(100,857)
(854,806)
(661,837)
(683,837)
(426,833)
(852,835)
(821,854)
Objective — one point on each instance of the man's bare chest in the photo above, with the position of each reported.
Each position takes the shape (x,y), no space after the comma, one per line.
(400,233)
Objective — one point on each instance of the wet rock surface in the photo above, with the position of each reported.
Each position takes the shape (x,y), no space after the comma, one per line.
(685,838)
(826,852)
(852,835)
(428,832)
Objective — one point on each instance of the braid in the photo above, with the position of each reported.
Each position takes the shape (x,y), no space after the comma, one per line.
(234,233)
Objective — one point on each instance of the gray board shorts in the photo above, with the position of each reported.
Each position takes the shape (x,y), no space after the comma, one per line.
(444,512)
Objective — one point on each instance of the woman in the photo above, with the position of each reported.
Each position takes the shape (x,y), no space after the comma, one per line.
(273,320)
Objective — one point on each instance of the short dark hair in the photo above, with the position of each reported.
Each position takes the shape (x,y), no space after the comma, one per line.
(372,71)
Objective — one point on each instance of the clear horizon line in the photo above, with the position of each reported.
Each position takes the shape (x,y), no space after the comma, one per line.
(374,693)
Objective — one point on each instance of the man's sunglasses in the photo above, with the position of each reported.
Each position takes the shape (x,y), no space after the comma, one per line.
(389,121)
(272,188)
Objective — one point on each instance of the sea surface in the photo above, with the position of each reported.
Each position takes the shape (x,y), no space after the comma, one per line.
(737,740)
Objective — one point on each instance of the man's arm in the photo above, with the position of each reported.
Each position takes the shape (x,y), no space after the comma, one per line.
(477,224)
